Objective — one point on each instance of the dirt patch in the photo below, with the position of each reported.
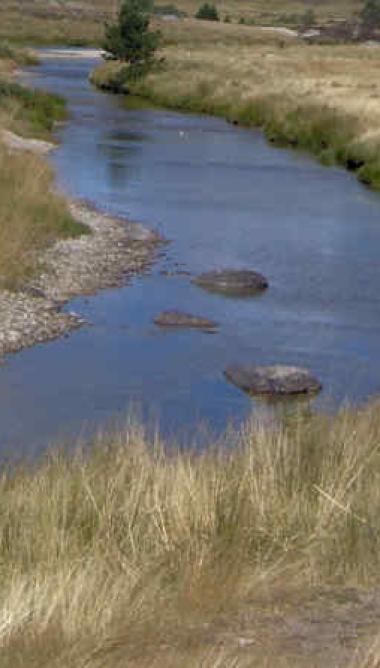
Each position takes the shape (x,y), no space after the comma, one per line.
(319,628)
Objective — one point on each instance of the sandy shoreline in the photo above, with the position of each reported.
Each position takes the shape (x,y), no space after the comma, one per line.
(66,53)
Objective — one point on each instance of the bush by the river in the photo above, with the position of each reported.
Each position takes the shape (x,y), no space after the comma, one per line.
(207,12)
(130,39)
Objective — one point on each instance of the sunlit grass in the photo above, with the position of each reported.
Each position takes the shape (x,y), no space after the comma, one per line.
(125,554)
(31,216)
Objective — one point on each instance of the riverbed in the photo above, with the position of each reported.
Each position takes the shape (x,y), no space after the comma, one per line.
(223,198)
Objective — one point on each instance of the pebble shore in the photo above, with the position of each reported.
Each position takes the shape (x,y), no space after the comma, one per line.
(113,252)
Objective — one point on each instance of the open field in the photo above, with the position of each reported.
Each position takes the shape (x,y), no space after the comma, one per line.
(31,216)
(80,22)
(325,99)
(28,22)
(264,550)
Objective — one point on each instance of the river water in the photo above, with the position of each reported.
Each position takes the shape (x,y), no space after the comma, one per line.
(223,198)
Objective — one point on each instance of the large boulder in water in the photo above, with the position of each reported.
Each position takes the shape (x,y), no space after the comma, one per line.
(234,282)
(273,380)
(181,319)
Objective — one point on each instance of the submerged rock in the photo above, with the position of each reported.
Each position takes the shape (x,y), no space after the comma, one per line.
(273,380)
(181,319)
(234,282)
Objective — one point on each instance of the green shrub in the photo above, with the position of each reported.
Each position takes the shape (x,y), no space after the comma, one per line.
(130,39)
(18,56)
(370,16)
(307,19)
(6,51)
(207,12)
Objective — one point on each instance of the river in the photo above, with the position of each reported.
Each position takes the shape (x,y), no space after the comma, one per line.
(224,198)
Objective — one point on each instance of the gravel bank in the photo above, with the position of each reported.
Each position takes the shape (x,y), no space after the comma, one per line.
(115,251)
(16,143)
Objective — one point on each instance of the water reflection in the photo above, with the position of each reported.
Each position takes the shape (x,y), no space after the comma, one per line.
(224,198)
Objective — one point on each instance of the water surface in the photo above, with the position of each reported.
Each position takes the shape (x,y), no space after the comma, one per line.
(224,198)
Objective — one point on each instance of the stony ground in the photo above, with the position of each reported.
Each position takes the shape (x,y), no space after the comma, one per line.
(114,251)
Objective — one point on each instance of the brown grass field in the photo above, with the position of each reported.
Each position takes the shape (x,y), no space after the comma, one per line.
(262,551)
(81,21)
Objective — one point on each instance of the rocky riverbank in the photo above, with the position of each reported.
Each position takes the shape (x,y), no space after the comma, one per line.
(113,252)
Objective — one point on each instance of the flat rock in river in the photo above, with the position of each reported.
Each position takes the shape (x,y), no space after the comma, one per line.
(234,282)
(181,319)
(273,380)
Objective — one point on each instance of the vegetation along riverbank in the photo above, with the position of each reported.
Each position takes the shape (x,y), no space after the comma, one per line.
(320,98)
(50,249)
(261,551)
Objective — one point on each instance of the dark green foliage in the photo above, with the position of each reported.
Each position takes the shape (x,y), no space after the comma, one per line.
(307,20)
(6,51)
(18,56)
(129,39)
(370,15)
(207,12)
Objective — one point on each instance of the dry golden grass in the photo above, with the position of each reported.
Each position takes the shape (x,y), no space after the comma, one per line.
(127,555)
(28,22)
(81,21)
(275,12)
(238,61)
(31,216)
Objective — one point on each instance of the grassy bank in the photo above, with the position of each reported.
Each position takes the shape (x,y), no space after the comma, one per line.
(80,22)
(127,555)
(323,99)
(31,216)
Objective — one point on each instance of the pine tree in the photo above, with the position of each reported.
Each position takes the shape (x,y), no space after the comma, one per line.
(130,39)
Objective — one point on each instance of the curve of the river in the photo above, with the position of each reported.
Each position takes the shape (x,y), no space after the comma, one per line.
(224,198)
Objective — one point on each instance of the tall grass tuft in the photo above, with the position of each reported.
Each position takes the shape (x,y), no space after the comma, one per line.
(126,554)
(31,216)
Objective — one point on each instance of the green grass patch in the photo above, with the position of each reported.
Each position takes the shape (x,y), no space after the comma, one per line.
(36,110)
(16,55)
